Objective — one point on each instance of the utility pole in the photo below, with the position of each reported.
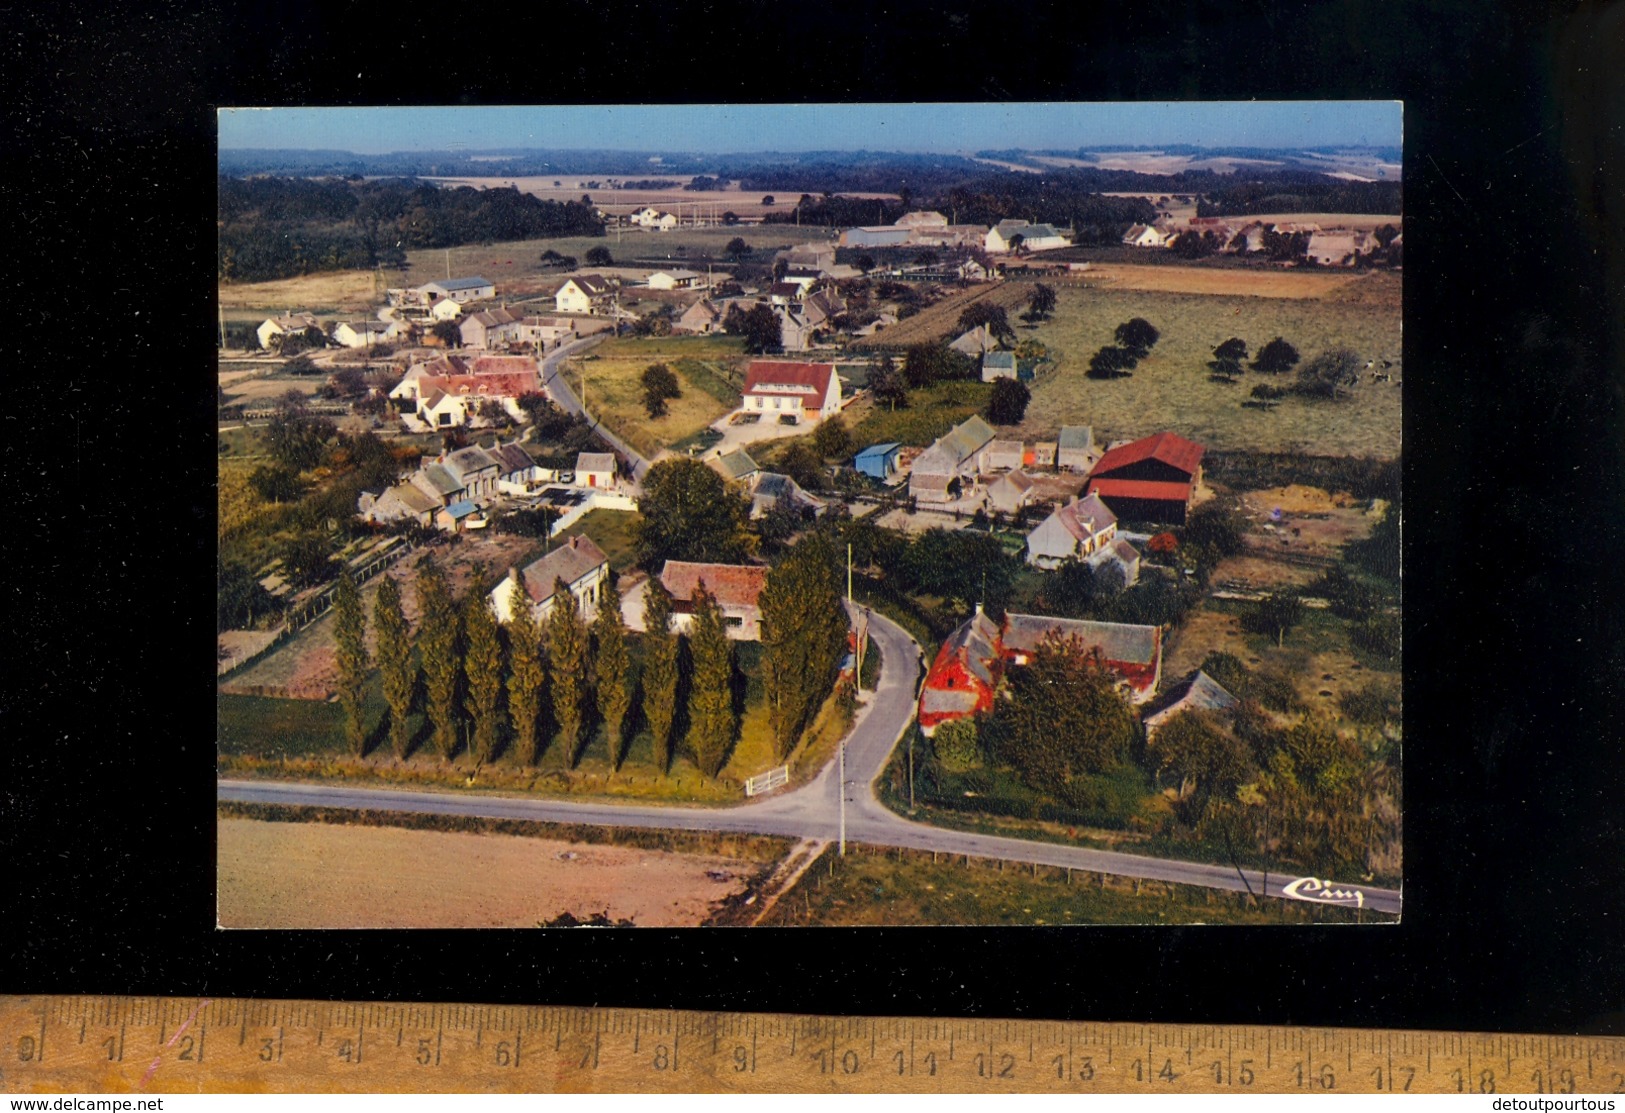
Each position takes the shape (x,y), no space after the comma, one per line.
(448,263)
(843,798)
(222,307)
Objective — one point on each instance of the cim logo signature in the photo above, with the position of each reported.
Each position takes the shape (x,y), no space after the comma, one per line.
(1315,890)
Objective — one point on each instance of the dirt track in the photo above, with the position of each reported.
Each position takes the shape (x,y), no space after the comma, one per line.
(314,875)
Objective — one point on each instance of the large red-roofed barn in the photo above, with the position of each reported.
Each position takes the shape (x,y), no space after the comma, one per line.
(1149,480)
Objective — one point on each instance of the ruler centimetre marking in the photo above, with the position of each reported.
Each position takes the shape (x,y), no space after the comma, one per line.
(77,1044)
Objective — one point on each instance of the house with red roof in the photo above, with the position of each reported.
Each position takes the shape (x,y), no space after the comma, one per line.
(965,676)
(801,392)
(1149,480)
(736,588)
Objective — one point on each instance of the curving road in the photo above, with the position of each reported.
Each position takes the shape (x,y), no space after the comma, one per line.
(559,389)
(813,811)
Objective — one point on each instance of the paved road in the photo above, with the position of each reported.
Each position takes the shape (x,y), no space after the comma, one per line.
(811,811)
(558,387)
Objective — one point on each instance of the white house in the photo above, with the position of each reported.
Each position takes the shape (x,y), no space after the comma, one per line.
(273,327)
(1076,448)
(491,328)
(595,469)
(1010,492)
(702,318)
(798,391)
(955,457)
(1001,238)
(361,334)
(579,562)
(674,280)
(1074,531)
(1002,455)
(1145,235)
(446,309)
(585,293)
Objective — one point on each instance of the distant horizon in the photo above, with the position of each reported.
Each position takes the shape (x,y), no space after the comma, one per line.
(940,129)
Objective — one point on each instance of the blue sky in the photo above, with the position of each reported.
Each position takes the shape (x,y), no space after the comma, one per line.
(744,128)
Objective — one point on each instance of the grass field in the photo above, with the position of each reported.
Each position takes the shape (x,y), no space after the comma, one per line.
(706,366)
(931,412)
(873,887)
(317,875)
(1170,389)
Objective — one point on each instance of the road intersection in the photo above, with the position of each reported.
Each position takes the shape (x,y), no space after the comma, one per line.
(813,810)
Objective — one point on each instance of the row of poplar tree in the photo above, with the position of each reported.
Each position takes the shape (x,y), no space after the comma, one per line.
(499,679)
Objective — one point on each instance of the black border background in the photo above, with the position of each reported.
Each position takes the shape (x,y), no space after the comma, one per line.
(1514,322)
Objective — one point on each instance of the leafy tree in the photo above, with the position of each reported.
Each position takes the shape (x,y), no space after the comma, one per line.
(659,669)
(1276,358)
(307,560)
(659,384)
(240,597)
(612,668)
(1233,349)
(1137,335)
(925,364)
(1331,374)
(654,404)
(276,483)
(599,256)
(395,663)
(1379,635)
(1267,397)
(447,333)
(759,325)
(1275,616)
(768,201)
(802,463)
(737,249)
(1321,760)
(832,440)
(350,632)
(1065,717)
(985,312)
(1216,526)
(1111,363)
(483,665)
(956,746)
(1069,591)
(295,438)
(689,514)
(804,635)
(1007,405)
(730,218)
(1041,302)
(960,565)
(886,384)
(567,663)
(438,650)
(527,673)
(1197,747)
(865,263)
(710,699)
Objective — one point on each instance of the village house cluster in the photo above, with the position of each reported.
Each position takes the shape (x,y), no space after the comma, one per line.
(1327,247)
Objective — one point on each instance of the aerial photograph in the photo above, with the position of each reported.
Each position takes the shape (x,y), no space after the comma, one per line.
(821,515)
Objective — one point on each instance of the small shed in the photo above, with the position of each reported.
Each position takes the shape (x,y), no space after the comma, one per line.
(1010,492)
(998,365)
(1002,455)
(878,461)
(1075,448)
(595,469)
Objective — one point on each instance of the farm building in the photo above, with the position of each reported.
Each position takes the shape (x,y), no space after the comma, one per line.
(1010,492)
(1339,247)
(884,235)
(436,482)
(579,562)
(595,469)
(585,293)
(674,280)
(1149,480)
(1002,455)
(956,455)
(967,670)
(1145,235)
(816,257)
(1043,454)
(878,461)
(701,318)
(770,490)
(926,219)
(460,290)
(1075,531)
(1075,448)
(474,469)
(460,515)
(999,365)
(736,466)
(1197,692)
(974,343)
(402,502)
(786,389)
(1002,238)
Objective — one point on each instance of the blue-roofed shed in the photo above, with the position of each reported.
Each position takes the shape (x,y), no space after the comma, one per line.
(878,461)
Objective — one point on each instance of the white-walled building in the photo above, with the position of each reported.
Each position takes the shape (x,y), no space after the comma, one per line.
(579,562)
(805,392)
